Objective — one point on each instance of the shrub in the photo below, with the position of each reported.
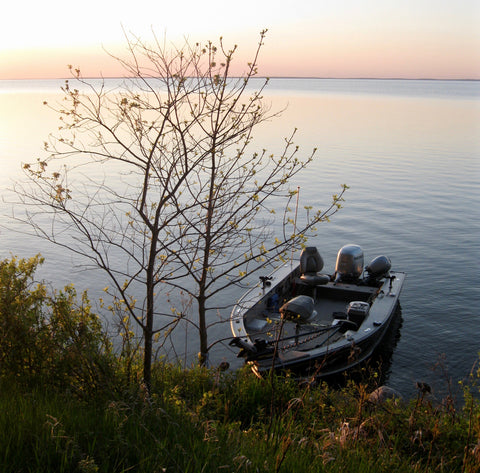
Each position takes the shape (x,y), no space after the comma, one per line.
(49,338)
(22,324)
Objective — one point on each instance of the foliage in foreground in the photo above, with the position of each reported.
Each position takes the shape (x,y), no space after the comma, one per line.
(66,406)
(49,338)
(202,420)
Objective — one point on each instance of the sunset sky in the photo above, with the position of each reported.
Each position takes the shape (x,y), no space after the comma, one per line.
(314,38)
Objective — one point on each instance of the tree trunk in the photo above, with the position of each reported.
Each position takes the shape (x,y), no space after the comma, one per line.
(148,340)
(202,330)
(147,359)
(148,324)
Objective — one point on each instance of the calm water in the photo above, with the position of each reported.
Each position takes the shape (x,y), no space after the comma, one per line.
(410,152)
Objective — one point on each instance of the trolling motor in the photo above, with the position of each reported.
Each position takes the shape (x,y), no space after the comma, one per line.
(250,353)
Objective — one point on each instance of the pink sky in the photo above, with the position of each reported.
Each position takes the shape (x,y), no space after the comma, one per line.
(328,38)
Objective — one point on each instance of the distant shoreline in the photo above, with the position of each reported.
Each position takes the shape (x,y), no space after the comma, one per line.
(264,77)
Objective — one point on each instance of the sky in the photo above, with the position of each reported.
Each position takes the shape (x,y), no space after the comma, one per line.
(437,39)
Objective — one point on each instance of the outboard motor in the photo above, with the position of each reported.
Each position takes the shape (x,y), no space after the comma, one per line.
(378,268)
(349,266)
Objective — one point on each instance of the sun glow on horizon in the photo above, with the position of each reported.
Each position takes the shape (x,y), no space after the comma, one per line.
(348,38)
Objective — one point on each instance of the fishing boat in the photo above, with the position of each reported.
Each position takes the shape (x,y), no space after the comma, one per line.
(298,318)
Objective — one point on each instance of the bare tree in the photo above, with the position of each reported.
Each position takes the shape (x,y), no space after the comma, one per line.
(154,181)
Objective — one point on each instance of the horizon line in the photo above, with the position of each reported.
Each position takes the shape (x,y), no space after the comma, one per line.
(261,77)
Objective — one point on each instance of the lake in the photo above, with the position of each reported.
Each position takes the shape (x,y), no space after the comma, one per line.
(410,153)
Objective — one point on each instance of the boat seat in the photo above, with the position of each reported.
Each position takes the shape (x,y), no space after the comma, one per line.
(300,309)
(311,263)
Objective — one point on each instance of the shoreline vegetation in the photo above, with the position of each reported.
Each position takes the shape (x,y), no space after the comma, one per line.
(69,402)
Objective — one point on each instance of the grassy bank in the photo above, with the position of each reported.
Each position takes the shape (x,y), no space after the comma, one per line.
(200,420)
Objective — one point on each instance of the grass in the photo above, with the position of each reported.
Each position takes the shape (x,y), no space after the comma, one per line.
(42,432)
(201,421)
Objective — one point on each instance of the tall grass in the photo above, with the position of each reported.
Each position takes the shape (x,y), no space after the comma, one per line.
(44,432)
(201,421)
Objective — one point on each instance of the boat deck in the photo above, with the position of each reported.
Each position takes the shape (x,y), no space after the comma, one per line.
(330,303)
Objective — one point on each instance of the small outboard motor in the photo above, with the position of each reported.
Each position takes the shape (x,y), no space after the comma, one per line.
(349,265)
(378,268)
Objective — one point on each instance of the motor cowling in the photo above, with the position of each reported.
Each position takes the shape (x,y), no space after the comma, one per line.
(349,265)
(378,267)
